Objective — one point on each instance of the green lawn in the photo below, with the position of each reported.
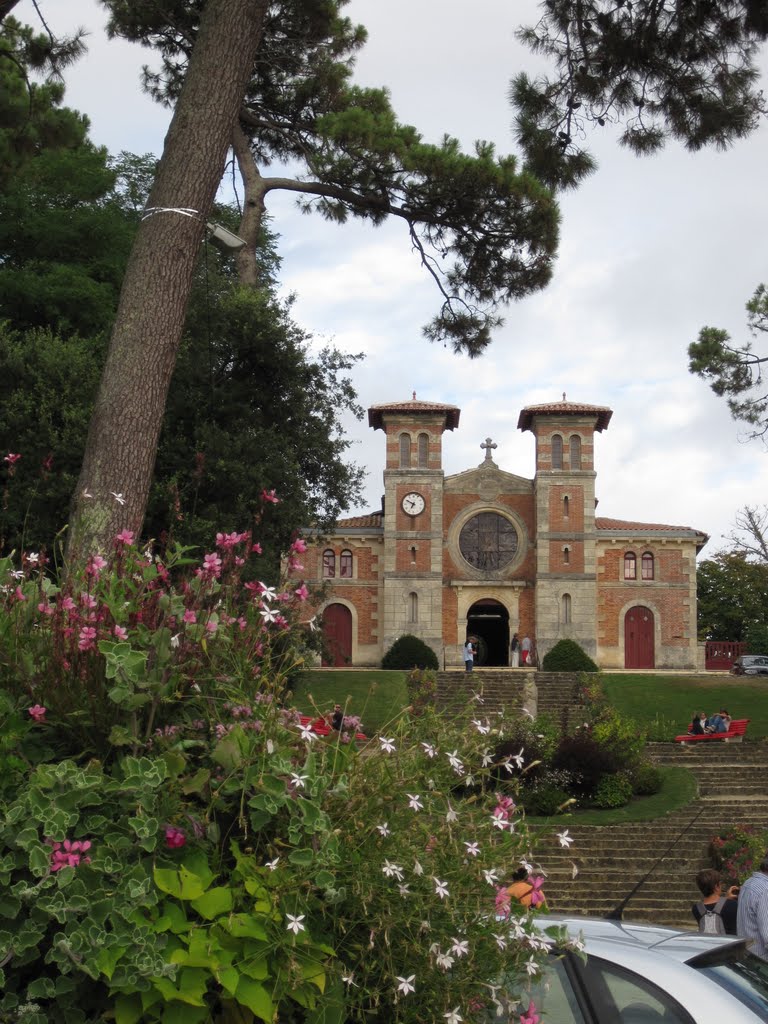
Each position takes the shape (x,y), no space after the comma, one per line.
(665,704)
(376,696)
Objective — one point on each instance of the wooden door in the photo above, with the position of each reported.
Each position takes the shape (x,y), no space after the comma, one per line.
(638,638)
(337,629)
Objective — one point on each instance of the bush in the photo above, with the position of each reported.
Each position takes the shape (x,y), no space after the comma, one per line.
(548,795)
(737,852)
(409,652)
(422,690)
(612,791)
(585,760)
(646,779)
(537,740)
(567,656)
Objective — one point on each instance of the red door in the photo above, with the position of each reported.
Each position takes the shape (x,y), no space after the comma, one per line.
(638,638)
(337,629)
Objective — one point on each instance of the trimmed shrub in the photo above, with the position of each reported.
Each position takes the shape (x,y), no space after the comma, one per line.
(612,791)
(646,779)
(410,652)
(567,656)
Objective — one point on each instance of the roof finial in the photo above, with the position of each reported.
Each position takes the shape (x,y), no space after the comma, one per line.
(563,396)
(414,396)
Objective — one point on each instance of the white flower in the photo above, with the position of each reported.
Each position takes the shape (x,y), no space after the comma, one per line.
(518,758)
(528,713)
(387,745)
(87,493)
(441,888)
(491,876)
(526,864)
(482,729)
(294,923)
(451,815)
(406,985)
(577,944)
(33,557)
(118,498)
(518,932)
(298,780)
(501,941)
(175,640)
(267,593)
(313,623)
(384,829)
(455,762)
(460,947)
(404,890)
(478,698)
(453,1017)
(349,979)
(429,750)
(487,759)
(393,871)
(272,864)
(565,839)
(306,732)
(531,966)
(445,961)
(574,870)
(473,849)
(268,614)
(17,574)
(270,747)
(414,802)
(498,822)
(417,868)
(470,780)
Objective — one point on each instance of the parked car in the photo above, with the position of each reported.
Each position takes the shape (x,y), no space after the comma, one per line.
(643,974)
(750,665)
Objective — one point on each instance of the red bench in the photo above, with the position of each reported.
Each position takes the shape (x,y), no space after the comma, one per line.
(736,731)
(322,728)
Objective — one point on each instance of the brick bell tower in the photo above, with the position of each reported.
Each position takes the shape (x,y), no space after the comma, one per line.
(412,571)
(564,496)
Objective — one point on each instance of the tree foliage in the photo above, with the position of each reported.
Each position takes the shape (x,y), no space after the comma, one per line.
(732,596)
(680,69)
(484,231)
(736,373)
(568,656)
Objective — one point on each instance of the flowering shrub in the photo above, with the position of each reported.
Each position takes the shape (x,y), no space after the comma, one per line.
(176,846)
(737,851)
(422,689)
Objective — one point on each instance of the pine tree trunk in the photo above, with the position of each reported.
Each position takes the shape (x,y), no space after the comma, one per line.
(125,426)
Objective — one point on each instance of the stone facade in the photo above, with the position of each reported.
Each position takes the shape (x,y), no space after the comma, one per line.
(487,553)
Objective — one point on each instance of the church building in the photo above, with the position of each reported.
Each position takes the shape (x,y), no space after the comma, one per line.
(486,554)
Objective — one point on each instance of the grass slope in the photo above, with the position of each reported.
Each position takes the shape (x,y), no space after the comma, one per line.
(376,696)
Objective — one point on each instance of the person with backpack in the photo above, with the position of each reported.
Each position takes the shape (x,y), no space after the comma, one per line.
(715,913)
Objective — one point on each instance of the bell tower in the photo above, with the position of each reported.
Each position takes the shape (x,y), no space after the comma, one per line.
(413,518)
(564,496)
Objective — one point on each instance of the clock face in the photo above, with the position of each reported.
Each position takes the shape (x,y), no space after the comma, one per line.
(413,503)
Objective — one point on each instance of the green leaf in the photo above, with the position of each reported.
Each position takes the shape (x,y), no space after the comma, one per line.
(253,995)
(167,880)
(214,902)
(175,1014)
(107,958)
(128,1009)
(301,858)
(41,988)
(246,926)
(195,783)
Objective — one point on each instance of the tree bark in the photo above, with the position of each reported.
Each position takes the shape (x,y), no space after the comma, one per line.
(125,426)
(253,209)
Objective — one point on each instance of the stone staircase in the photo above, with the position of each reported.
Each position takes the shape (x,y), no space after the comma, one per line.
(663,855)
(491,689)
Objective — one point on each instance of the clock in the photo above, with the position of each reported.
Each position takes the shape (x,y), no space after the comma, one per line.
(413,503)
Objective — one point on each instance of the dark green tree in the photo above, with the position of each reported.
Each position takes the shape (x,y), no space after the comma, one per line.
(736,372)
(732,596)
(681,69)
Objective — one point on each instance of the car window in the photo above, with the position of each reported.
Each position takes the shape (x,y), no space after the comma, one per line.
(622,997)
(554,996)
(746,979)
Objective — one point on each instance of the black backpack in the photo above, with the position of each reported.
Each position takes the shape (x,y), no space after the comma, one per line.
(711,919)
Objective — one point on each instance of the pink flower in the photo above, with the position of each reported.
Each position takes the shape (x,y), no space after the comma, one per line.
(228,540)
(124,537)
(270,496)
(189,616)
(120,632)
(301,592)
(88,600)
(37,712)
(256,549)
(294,565)
(174,837)
(87,637)
(211,626)
(19,594)
(12,458)
(95,564)
(67,854)
(503,901)
(45,608)
(299,546)
(537,896)
(212,565)
(530,1016)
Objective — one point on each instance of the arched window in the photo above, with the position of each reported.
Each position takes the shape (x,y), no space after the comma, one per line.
(557,452)
(566,556)
(566,609)
(413,607)
(630,566)
(566,506)
(329,564)
(405,451)
(575,451)
(646,564)
(423,451)
(345,565)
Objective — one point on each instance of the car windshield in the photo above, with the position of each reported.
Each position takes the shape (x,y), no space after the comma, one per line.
(746,978)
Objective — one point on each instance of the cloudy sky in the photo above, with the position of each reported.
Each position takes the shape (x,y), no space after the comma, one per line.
(651,250)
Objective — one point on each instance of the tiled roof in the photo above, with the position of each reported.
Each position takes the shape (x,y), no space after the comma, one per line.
(374,520)
(452,412)
(602,412)
(629,526)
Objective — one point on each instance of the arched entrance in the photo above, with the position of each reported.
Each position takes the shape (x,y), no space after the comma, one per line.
(337,630)
(488,621)
(638,638)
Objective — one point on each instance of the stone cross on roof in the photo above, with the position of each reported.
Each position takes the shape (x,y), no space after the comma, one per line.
(488,444)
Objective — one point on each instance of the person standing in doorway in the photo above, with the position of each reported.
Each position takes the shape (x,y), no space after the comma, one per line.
(526,649)
(469,655)
(515,649)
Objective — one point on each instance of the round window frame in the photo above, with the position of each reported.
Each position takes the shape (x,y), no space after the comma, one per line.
(469,513)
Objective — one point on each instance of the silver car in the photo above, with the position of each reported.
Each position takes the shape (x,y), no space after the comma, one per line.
(641,974)
(750,665)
